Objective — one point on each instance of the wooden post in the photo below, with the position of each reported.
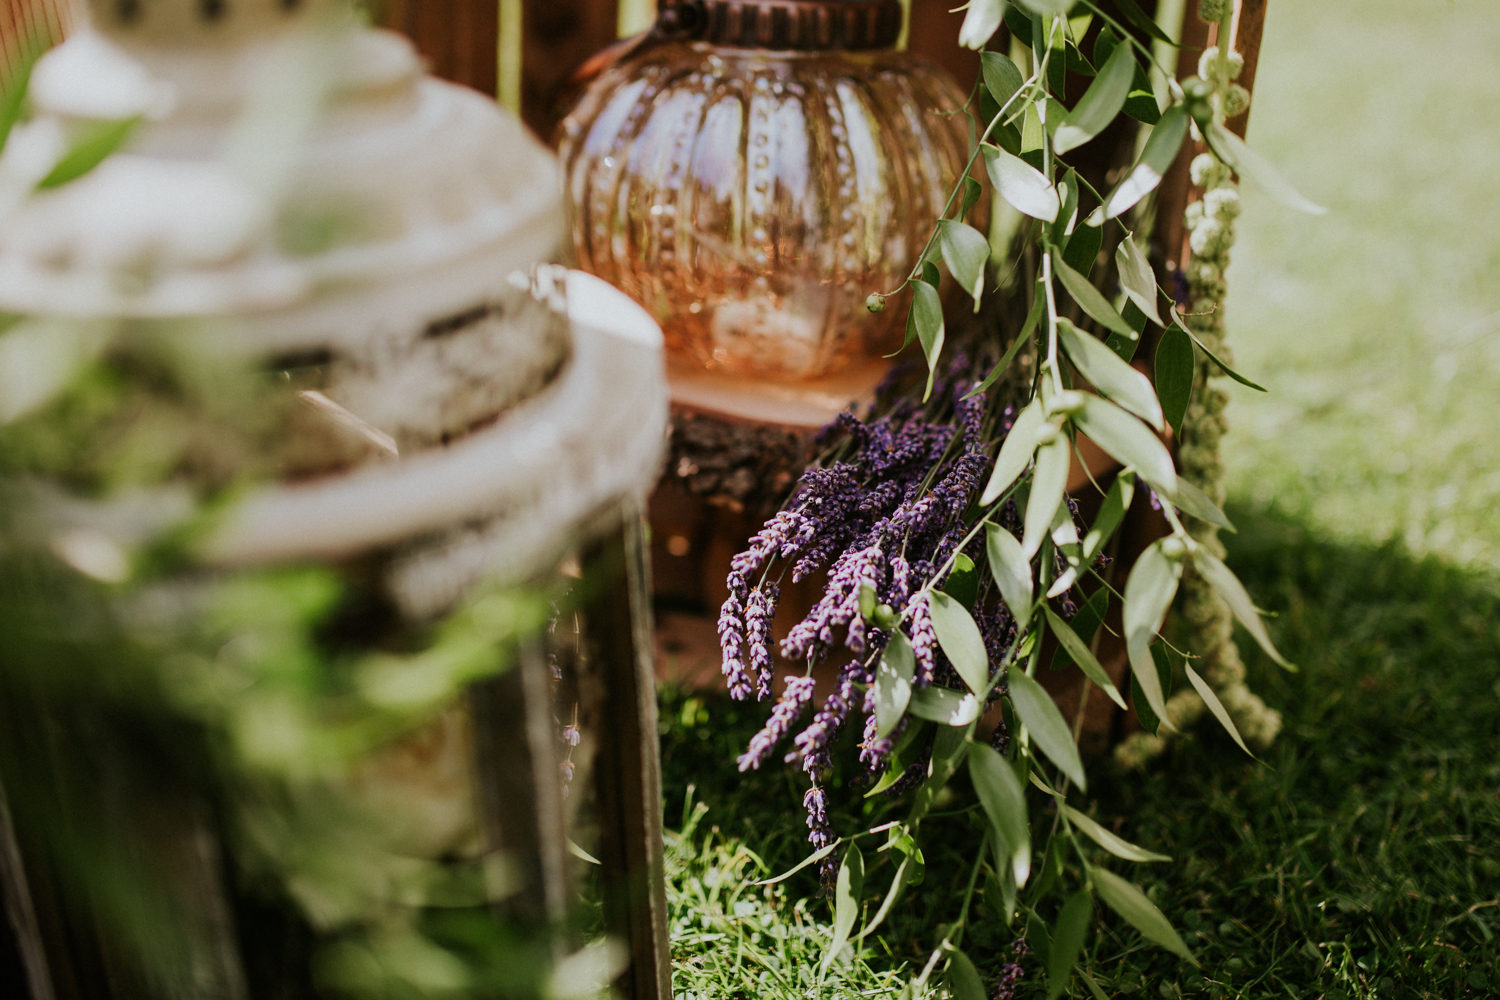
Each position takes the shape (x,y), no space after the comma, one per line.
(627,771)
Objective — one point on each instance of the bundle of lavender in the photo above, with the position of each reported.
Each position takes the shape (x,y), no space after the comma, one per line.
(942,520)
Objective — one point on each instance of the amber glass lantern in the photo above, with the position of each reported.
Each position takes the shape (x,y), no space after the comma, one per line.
(755,169)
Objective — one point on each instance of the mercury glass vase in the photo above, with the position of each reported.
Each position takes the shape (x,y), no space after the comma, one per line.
(755,169)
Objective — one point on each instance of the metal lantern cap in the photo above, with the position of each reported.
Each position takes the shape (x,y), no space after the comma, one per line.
(786,25)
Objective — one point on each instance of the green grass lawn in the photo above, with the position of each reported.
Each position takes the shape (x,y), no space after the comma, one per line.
(1361,857)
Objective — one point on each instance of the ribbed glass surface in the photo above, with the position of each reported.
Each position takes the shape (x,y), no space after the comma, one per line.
(751,200)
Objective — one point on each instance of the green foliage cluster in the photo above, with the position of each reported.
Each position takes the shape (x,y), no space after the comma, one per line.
(1359,860)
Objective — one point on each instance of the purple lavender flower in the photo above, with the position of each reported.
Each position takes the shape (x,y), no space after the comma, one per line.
(874,749)
(813,742)
(820,833)
(1011,973)
(924,644)
(760,609)
(799,691)
(731,638)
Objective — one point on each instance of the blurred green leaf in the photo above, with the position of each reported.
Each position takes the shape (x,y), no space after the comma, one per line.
(811,859)
(95,142)
(1049,732)
(1138,911)
(1067,940)
(1251,165)
(963,979)
(973,191)
(898,882)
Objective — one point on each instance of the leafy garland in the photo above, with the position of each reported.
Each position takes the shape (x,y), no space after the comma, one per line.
(949,561)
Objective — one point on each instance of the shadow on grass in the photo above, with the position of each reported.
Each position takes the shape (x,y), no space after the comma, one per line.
(1361,858)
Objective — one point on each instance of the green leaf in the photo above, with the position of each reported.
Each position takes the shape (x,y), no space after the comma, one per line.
(1137,278)
(1138,911)
(898,882)
(1149,720)
(1048,484)
(968,253)
(973,191)
(1090,299)
(963,979)
(13,100)
(927,309)
(939,704)
(1037,307)
(948,751)
(960,639)
(963,581)
(1004,802)
(1128,440)
(851,883)
(1228,586)
(1117,846)
(893,683)
(1011,570)
(1107,373)
(1144,21)
(93,144)
(1215,706)
(1047,8)
(1067,941)
(1191,500)
(1015,452)
(1249,164)
(1082,249)
(1067,190)
(1048,730)
(1242,380)
(1002,77)
(1084,625)
(1111,513)
(1148,594)
(1099,104)
(1160,150)
(980,23)
(1025,187)
(1094,989)
(1079,651)
(811,859)
(1175,373)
